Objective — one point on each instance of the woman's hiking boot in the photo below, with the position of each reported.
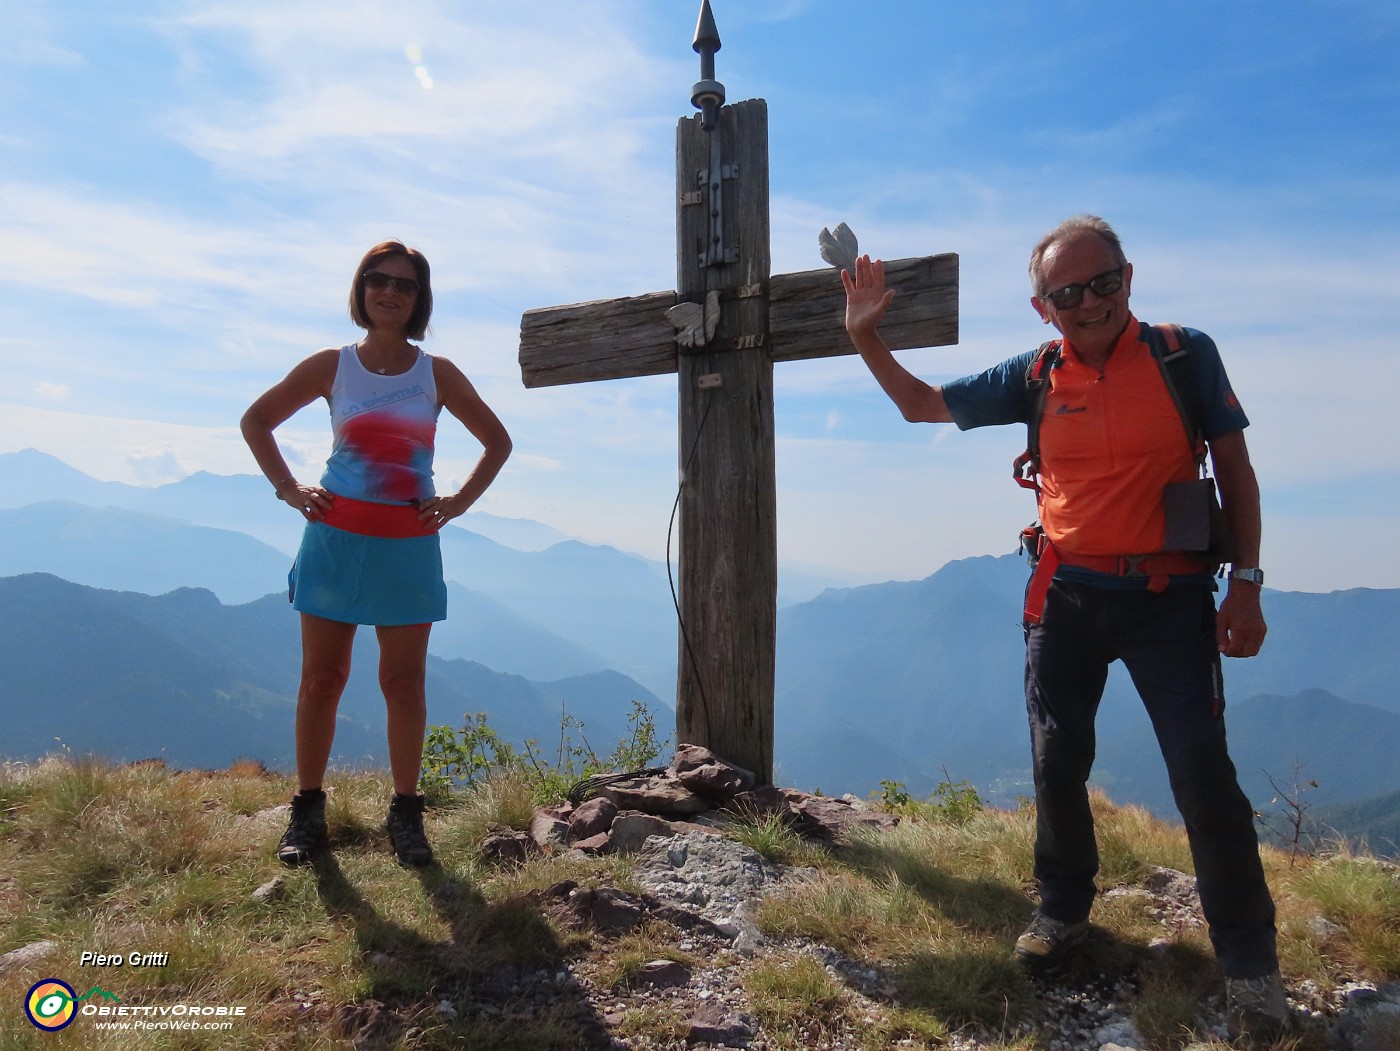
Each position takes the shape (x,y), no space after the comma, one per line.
(405,827)
(306,831)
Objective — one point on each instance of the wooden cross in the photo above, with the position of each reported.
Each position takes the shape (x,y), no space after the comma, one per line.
(721,332)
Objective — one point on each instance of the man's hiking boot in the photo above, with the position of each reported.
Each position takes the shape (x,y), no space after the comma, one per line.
(1255,1009)
(306,831)
(405,826)
(1044,944)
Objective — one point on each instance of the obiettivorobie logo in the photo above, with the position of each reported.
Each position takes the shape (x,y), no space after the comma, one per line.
(52,1004)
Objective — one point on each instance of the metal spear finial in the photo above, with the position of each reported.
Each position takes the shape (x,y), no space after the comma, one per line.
(708,93)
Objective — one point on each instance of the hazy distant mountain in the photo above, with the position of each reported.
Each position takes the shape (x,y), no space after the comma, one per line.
(112,674)
(186,678)
(1347,748)
(482,629)
(579,607)
(902,681)
(1373,823)
(243,503)
(611,603)
(132,550)
(30,476)
(931,671)
(1343,641)
(603,607)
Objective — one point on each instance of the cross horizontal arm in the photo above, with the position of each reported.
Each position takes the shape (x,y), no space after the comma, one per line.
(606,339)
(807,311)
(628,337)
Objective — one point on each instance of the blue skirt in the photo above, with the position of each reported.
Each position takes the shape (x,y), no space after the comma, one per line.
(357,579)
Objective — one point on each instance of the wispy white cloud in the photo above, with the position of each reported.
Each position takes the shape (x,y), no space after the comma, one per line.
(120,251)
(334,75)
(157,464)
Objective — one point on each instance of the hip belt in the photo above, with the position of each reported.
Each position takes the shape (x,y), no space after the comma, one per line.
(1158,568)
(390,521)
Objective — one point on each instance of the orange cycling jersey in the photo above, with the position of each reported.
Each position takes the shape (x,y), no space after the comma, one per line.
(1110,443)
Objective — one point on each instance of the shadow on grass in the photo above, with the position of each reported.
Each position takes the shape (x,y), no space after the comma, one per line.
(979,905)
(979,983)
(491,983)
(973,978)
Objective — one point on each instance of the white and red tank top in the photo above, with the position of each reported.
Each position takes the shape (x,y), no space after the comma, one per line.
(383,429)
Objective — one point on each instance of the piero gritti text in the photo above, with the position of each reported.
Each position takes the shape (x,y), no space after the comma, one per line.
(135,959)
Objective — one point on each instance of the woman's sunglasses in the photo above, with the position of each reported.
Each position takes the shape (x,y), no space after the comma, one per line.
(1105,284)
(378,280)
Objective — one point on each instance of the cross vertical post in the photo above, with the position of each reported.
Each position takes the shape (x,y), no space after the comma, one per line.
(721,330)
(728,505)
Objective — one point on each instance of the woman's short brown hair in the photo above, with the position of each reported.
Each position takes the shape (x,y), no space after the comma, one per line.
(417,325)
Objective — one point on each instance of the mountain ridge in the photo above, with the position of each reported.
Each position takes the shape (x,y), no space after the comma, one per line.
(914,681)
(188,679)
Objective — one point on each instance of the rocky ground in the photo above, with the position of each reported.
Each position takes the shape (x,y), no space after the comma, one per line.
(709,886)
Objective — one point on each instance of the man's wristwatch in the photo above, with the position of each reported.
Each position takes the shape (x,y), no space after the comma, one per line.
(1253,574)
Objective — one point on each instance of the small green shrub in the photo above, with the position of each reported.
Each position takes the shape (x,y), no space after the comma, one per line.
(951,803)
(465,758)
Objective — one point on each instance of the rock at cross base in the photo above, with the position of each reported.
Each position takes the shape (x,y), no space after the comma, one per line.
(631,829)
(662,795)
(550,826)
(817,817)
(599,844)
(607,909)
(663,974)
(592,817)
(705,773)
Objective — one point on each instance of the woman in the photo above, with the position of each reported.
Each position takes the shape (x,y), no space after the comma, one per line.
(370,551)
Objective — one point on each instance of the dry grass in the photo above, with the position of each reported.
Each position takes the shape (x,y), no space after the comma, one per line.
(143,859)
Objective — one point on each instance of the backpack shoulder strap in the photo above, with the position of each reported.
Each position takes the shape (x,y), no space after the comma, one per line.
(1027,465)
(1171,347)
(1038,386)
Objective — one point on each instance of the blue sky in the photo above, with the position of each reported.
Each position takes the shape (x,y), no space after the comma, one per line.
(185,188)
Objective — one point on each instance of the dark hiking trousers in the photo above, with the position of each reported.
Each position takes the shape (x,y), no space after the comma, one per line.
(1167,642)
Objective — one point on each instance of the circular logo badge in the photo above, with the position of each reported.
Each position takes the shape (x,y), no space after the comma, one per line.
(51,1004)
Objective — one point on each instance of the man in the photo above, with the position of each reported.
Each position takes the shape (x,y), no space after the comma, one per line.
(1111,440)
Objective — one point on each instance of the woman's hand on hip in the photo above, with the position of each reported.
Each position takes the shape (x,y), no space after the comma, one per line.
(311,500)
(436,511)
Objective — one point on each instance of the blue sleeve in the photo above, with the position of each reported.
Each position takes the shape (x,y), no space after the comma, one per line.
(1220,409)
(988,399)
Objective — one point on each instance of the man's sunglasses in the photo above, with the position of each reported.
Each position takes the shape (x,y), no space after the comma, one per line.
(1105,284)
(378,280)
